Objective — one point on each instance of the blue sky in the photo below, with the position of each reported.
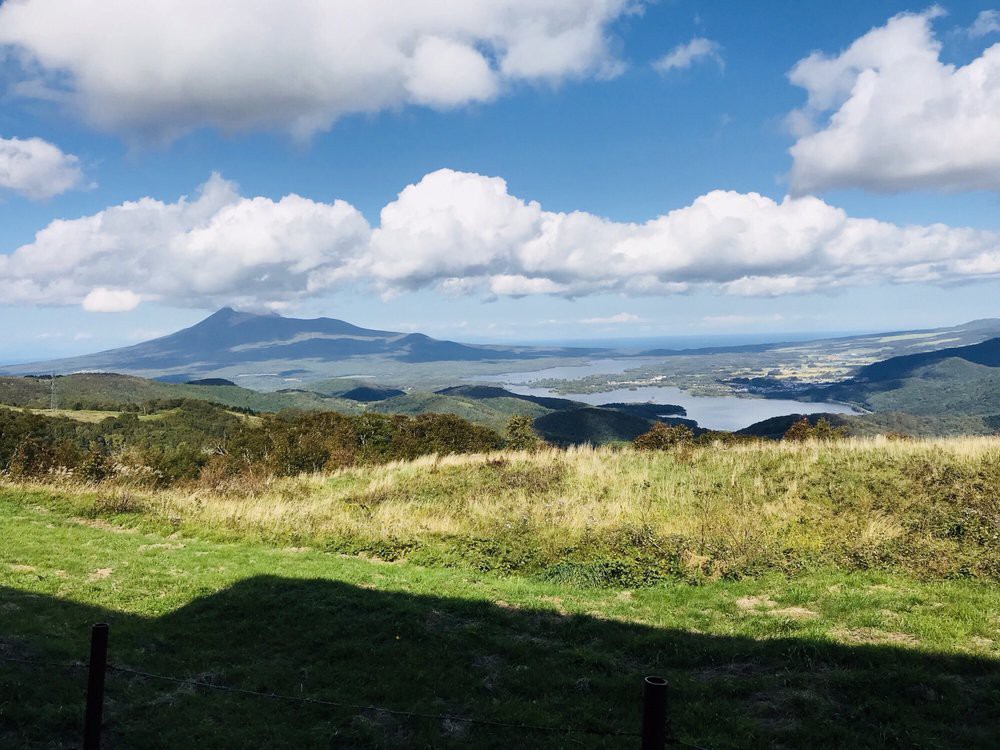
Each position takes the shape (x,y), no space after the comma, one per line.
(608,134)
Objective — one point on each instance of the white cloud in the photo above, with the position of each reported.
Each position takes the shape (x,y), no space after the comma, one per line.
(619,318)
(110,300)
(36,168)
(887,114)
(213,249)
(163,67)
(683,56)
(465,234)
(445,73)
(507,285)
(986,23)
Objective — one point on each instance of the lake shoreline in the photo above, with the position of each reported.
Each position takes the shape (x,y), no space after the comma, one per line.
(731,412)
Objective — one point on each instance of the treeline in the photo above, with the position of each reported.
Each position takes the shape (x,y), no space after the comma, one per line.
(193,437)
(162,448)
(286,443)
(665,437)
(147,406)
(161,442)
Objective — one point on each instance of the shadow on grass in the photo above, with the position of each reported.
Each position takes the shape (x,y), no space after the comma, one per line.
(436,655)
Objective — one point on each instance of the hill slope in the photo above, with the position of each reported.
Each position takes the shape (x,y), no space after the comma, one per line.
(109,390)
(590,425)
(985,353)
(955,381)
(957,389)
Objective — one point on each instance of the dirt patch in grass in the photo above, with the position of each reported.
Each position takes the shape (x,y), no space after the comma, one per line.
(99,523)
(754,603)
(793,613)
(765,605)
(874,636)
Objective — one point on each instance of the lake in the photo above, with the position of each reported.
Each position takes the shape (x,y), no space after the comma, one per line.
(712,412)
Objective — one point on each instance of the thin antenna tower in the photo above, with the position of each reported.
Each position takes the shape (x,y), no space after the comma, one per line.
(53,401)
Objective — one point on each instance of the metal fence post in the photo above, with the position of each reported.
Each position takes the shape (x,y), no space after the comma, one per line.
(96,670)
(654,713)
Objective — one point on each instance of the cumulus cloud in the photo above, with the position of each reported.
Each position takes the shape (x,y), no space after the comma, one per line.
(986,23)
(887,114)
(683,56)
(163,67)
(110,300)
(36,168)
(465,234)
(215,248)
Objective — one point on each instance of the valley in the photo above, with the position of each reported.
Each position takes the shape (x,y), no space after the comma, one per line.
(513,538)
(267,363)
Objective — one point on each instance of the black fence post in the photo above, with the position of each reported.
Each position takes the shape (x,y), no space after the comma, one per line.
(654,713)
(95,687)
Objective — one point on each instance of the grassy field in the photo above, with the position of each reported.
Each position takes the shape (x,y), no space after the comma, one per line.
(810,595)
(93,416)
(618,517)
(88,389)
(90,416)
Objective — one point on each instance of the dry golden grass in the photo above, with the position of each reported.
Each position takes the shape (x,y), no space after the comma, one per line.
(930,507)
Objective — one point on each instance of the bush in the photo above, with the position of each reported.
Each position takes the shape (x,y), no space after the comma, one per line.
(661,437)
(822,430)
(293,443)
(520,434)
(95,467)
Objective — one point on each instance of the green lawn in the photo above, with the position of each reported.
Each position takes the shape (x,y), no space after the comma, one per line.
(827,660)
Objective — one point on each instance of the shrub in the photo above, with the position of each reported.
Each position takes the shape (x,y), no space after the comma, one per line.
(116,505)
(822,430)
(520,434)
(662,437)
(95,467)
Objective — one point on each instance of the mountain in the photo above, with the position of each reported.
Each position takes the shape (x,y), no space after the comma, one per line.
(487,392)
(883,345)
(231,344)
(957,388)
(985,353)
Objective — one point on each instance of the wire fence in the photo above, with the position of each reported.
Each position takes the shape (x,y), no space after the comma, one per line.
(655,719)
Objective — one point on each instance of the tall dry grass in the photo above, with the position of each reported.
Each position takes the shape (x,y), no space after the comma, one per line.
(930,507)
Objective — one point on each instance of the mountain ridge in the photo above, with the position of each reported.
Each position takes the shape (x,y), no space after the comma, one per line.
(228,338)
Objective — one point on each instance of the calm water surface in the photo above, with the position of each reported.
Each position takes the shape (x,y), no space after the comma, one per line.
(712,412)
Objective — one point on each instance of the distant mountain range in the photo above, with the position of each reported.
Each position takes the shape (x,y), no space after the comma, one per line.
(230,343)
(956,388)
(306,363)
(984,353)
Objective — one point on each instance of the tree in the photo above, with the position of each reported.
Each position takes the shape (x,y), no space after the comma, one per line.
(799,431)
(822,430)
(661,437)
(520,434)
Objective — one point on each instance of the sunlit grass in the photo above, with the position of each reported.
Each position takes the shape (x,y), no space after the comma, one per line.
(829,658)
(928,508)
